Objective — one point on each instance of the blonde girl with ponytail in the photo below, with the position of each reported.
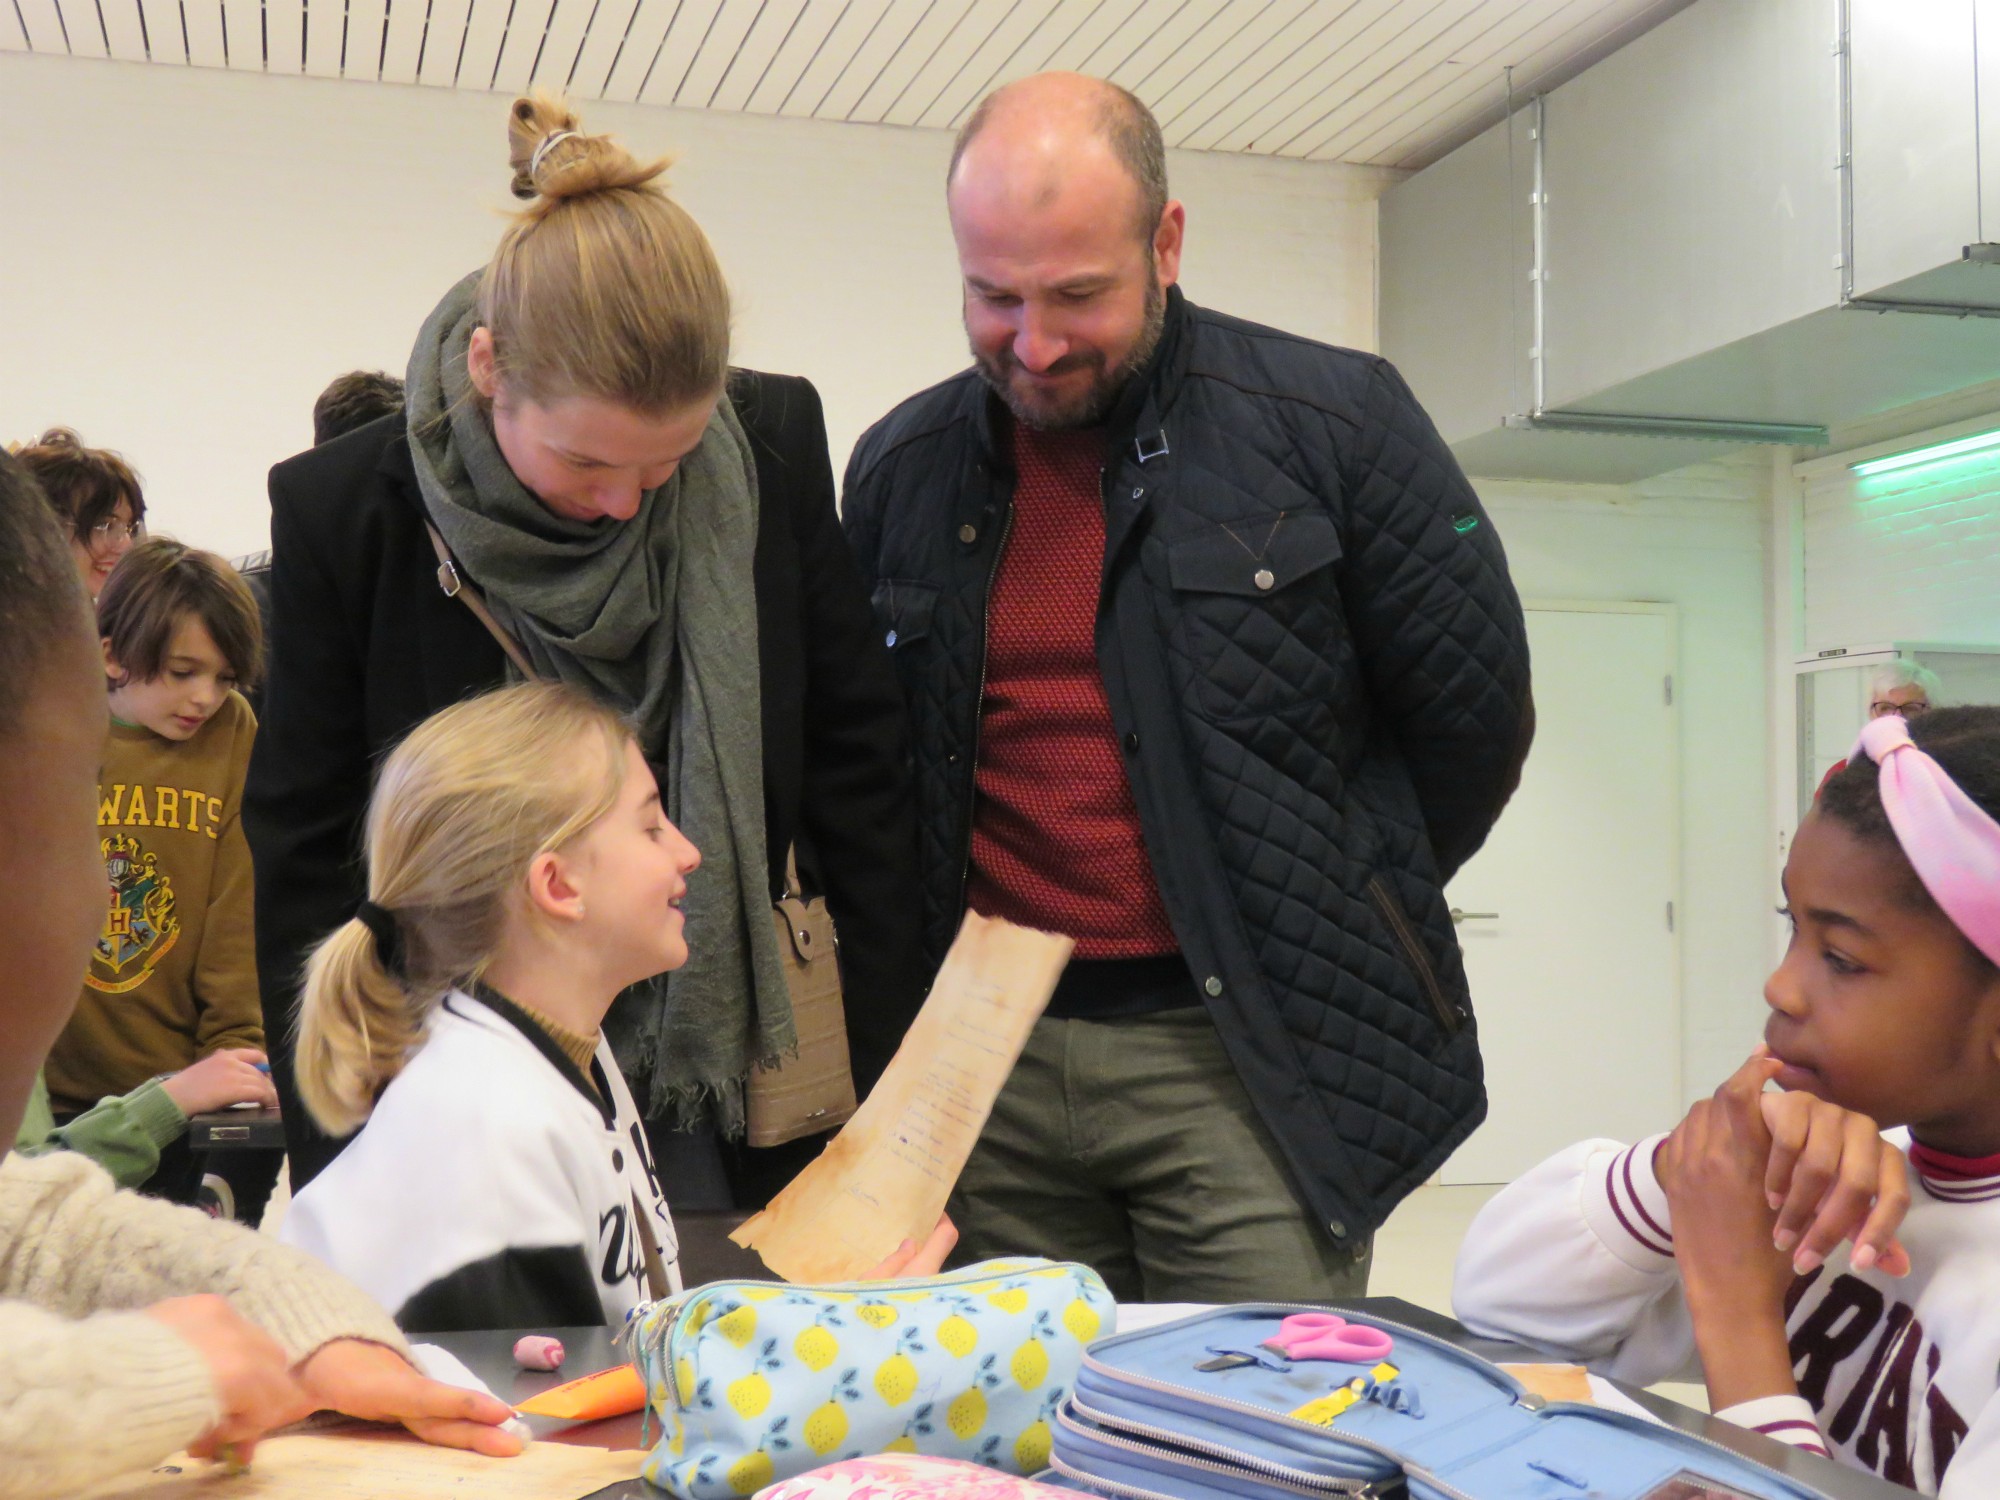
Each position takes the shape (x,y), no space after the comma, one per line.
(652,526)
(521,875)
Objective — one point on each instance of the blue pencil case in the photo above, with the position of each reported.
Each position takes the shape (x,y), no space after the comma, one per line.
(1144,1423)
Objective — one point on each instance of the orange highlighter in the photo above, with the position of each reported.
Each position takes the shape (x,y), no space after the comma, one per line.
(591,1398)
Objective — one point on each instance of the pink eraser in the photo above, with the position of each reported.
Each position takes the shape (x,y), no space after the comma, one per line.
(538,1351)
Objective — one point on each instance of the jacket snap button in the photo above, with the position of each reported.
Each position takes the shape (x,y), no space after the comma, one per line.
(1264,578)
(1337,1229)
(1132,743)
(968,533)
(1212,985)
(892,637)
(1138,494)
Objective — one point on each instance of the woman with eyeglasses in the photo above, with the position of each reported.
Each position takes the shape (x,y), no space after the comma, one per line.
(1900,687)
(96,494)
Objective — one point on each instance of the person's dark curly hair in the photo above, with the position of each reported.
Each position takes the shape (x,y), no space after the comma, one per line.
(82,484)
(354,400)
(1964,741)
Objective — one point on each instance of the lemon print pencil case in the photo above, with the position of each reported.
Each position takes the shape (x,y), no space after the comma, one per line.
(755,1381)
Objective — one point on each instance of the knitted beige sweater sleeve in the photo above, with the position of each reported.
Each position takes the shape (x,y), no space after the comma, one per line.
(89,1386)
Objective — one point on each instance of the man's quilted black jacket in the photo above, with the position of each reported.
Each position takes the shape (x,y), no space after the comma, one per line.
(1317,736)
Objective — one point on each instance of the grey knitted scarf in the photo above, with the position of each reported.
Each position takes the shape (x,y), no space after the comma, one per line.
(657,617)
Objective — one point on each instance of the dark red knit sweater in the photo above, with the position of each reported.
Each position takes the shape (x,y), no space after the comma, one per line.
(1055,834)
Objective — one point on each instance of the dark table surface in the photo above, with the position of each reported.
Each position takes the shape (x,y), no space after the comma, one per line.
(490,1356)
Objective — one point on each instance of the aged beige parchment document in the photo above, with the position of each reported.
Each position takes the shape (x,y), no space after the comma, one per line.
(885,1177)
(369,1463)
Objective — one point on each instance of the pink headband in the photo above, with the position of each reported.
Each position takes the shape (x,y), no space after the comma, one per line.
(1950,841)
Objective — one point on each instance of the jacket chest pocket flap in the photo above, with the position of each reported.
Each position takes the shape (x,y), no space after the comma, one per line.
(1254,557)
(904,609)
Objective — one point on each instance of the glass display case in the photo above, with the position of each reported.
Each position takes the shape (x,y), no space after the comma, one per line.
(1834,692)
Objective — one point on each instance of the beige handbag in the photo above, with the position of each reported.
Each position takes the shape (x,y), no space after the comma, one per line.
(796,1096)
(813,1091)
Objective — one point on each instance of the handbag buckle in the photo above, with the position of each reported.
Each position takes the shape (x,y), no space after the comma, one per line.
(448,578)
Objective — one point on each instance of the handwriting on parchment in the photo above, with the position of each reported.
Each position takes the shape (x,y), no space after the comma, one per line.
(954,1093)
(887,1174)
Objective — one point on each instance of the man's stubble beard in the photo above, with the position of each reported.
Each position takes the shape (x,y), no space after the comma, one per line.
(1090,406)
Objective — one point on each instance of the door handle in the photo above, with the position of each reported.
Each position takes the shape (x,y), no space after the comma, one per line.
(1458,915)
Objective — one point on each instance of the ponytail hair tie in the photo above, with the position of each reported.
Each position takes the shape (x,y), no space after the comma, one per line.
(388,934)
(1950,841)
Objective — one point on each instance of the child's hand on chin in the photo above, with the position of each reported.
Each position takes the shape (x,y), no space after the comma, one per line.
(1713,1170)
(1832,1177)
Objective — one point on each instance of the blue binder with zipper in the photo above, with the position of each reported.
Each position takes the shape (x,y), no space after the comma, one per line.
(1198,1409)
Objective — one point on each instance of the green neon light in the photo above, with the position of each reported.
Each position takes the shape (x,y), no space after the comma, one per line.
(1956,448)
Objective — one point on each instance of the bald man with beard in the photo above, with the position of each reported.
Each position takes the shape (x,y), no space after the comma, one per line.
(1214,665)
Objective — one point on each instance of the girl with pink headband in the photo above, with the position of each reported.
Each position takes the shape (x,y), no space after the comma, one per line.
(1820,1241)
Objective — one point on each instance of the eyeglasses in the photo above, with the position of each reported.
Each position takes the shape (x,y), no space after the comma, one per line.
(1881,708)
(114,531)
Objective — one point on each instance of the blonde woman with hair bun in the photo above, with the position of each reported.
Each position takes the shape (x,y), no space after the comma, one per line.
(521,876)
(653,527)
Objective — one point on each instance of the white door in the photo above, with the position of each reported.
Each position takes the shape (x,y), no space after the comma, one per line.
(1567,927)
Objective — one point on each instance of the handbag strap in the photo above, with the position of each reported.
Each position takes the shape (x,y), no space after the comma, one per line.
(661,1282)
(457,586)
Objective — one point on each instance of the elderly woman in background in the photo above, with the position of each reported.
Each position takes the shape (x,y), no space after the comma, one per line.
(1901,687)
(1898,687)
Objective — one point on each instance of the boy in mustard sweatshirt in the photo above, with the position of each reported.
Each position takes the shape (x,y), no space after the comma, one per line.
(173,974)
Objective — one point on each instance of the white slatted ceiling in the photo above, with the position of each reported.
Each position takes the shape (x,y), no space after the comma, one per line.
(124,31)
(243,35)
(1383,82)
(166,33)
(202,20)
(42,23)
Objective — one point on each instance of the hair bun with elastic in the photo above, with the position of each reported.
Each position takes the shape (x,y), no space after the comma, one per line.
(554,159)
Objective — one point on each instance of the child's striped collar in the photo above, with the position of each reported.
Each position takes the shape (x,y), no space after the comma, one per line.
(1956,1179)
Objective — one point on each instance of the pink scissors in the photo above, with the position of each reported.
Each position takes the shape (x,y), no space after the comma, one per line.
(1330,1337)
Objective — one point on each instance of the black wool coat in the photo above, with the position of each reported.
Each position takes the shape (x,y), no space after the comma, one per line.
(364,645)
(1318,671)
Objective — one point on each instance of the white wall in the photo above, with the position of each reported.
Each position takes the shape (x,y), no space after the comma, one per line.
(1694,538)
(1912,555)
(190,255)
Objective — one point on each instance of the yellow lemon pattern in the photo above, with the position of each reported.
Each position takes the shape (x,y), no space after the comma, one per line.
(1081,1319)
(816,1348)
(896,1379)
(751,1473)
(1031,1365)
(738,1327)
(826,1428)
(1031,1448)
(755,1382)
(966,1414)
(957,1336)
(750,1395)
(876,1314)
